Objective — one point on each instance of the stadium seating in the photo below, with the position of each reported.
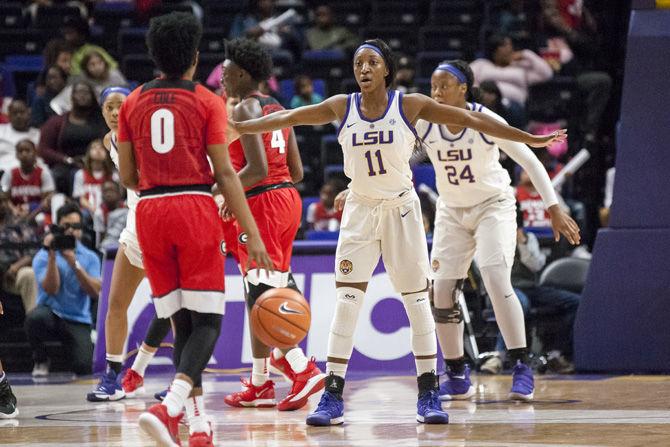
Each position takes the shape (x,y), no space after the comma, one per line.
(11,15)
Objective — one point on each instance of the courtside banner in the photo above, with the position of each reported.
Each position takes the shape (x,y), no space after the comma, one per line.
(382,340)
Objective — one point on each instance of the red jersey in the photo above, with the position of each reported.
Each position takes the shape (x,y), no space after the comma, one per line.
(25,189)
(93,188)
(276,147)
(571,12)
(170,124)
(321,217)
(532,206)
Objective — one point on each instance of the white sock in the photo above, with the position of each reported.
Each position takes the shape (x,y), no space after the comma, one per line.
(142,360)
(179,392)
(116,358)
(425,365)
(339,369)
(259,371)
(196,415)
(296,358)
(277,353)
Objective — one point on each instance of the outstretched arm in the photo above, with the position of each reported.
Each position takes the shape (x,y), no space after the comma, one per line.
(323,113)
(418,106)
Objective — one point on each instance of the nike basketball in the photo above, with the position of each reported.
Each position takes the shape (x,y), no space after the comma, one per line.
(280,317)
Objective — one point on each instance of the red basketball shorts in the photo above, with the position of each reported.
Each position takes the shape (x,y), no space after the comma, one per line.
(277,214)
(181,240)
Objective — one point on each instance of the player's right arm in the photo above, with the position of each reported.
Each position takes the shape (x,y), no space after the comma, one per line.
(293,159)
(256,168)
(329,110)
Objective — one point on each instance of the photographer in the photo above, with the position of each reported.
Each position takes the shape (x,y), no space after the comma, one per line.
(67,275)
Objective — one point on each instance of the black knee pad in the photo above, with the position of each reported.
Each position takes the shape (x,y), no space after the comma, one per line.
(454,314)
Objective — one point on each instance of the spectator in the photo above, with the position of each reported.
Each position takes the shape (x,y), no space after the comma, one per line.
(54,83)
(65,138)
(571,21)
(322,215)
(304,92)
(404,76)
(56,52)
(67,280)
(98,168)
(528,263)
(325,35)
(16,272)
(255,24)
(76,32)
(490,96)
(16,130)
(28,187)
(96,71)
(513,71)
(531,205)
(110,218)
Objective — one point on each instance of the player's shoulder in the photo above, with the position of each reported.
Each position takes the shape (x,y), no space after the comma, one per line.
(477,107)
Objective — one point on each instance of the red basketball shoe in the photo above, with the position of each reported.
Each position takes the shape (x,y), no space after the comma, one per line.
(132,383)
(305,383)
(202,439)
(253,396)
(157,423)
(281,367)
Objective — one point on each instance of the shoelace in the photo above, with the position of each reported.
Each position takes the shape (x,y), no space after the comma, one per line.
(328,403)
(430,401)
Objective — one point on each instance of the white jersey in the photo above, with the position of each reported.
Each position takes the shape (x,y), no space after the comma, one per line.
(467,166)
(132,198)
(377,152)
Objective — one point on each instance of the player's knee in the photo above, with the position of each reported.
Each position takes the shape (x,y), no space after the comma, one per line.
(347,308)
(417,306)
(445,306)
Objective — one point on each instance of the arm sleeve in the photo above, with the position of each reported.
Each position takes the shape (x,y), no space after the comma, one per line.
(47,180)
(78,184)
(530,254)
(521,154)
(217,121)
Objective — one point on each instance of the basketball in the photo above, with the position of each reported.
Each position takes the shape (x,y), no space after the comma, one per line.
(280,318)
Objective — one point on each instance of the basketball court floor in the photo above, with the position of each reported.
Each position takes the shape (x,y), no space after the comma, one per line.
(568,411)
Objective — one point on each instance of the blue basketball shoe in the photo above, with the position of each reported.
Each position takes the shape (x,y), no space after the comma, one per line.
(457,387)
(108,389)
(330,411)
(428,407)
(523,384)
(161,394)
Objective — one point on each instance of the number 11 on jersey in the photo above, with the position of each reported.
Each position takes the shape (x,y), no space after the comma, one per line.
(371,169)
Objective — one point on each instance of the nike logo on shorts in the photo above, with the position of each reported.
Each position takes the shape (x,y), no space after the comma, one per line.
(405,213)
(507,296)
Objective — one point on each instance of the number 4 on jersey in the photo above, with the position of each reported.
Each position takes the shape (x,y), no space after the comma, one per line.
(278,141)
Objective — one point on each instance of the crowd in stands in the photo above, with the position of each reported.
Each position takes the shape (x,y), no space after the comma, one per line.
(534,64)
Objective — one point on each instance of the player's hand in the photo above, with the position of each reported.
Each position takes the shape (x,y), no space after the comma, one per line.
(258,255)
(558,136)
(340,199)
(564,224)
(69,257)
(224,212)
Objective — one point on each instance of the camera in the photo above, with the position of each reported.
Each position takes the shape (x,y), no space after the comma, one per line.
(61,241)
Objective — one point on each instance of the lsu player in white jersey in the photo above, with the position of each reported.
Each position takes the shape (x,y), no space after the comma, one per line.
(382,215)
(476,218)
(127,274)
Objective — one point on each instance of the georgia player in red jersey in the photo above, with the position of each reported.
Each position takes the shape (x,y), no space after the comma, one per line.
(267,166)
(167,128)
